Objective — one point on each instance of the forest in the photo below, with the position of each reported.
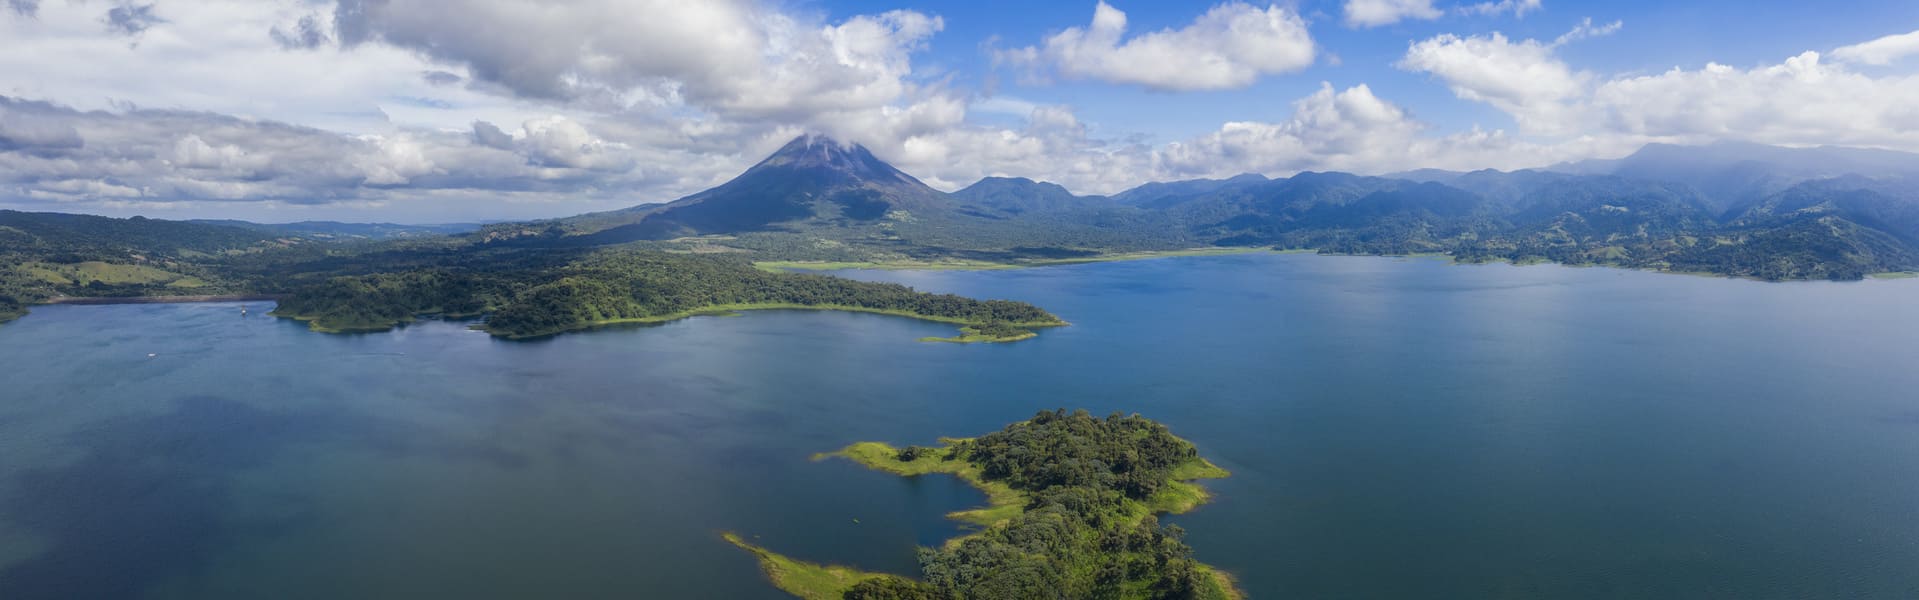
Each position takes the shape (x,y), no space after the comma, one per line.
(1083,493)
(614,286)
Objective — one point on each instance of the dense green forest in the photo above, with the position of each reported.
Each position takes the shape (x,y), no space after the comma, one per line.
(619,286)
(1075,500)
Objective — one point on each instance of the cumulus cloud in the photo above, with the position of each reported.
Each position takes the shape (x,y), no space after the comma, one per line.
(1523,78)
(1344,130)
(1802,100)
(1518,8)
(722,56)
(48,151)
(1331,129)
(1882,51)
(524,108)
(1374,13)
(1230,46)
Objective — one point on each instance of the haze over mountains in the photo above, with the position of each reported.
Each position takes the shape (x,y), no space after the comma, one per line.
(1731,209)
(1739,209)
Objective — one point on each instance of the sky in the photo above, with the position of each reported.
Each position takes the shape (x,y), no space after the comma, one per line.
(473,110)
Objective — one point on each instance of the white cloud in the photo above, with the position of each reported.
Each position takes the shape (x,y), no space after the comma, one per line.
(1522,78)
(215,110)
(1801,101)
(725,57)
(1882,51)
(1230,46)
(1518,8)
(1586,30)
(1374,13)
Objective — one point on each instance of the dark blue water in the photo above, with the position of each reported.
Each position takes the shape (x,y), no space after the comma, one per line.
(1395,428)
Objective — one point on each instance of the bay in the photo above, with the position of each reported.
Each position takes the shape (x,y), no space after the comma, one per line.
(1395,428)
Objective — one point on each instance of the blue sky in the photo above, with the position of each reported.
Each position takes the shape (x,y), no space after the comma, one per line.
(1654,36)
(282,110)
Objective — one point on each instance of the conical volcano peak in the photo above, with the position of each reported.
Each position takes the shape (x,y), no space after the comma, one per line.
(818,151)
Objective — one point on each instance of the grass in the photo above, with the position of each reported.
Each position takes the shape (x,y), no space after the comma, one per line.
(972,335)
(1180,495)
(804,579)
(1002,501)
(1895,275)
(83,273)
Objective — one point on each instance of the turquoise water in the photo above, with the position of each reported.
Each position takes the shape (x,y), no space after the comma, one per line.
(1396,428)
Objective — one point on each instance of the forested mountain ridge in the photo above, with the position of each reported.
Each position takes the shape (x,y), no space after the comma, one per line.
(1641,216)
(48,255)
(1740,211)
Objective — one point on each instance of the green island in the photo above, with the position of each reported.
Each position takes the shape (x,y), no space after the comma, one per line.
(1071,512)
(618,287)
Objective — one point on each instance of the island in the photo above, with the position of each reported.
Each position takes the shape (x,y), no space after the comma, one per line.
(630,286)
(1072,512)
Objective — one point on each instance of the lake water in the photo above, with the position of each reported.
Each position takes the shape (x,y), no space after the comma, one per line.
(1396,428)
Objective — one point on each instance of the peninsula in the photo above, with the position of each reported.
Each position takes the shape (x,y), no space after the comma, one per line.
(614,287)
(1072,505)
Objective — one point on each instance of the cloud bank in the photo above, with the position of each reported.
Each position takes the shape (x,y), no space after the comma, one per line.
(388,110)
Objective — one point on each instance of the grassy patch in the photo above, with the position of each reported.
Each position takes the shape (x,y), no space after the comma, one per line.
(1002,501)
(969,336)
(95,271)
(980,335)
(804,579)
(1895,275)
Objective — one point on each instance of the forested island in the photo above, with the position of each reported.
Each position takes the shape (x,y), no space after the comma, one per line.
(612,287)
(1073,500)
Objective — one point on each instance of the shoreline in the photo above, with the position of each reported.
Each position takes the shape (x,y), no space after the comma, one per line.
(710,311)
(99,300)
(1451,259)
(725,309)
(980,265)
(824,581)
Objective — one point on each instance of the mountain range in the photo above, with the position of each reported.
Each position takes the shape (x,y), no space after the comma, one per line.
(1742,210)
(1737,209)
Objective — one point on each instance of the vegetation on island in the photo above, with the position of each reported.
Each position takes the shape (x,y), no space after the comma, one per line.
(612,287)
(1072,510)
(993,332)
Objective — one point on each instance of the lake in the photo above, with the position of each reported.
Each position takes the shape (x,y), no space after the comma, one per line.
(1395,428)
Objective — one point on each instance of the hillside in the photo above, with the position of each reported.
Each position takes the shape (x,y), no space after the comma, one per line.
(1738,210)
(820,199)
